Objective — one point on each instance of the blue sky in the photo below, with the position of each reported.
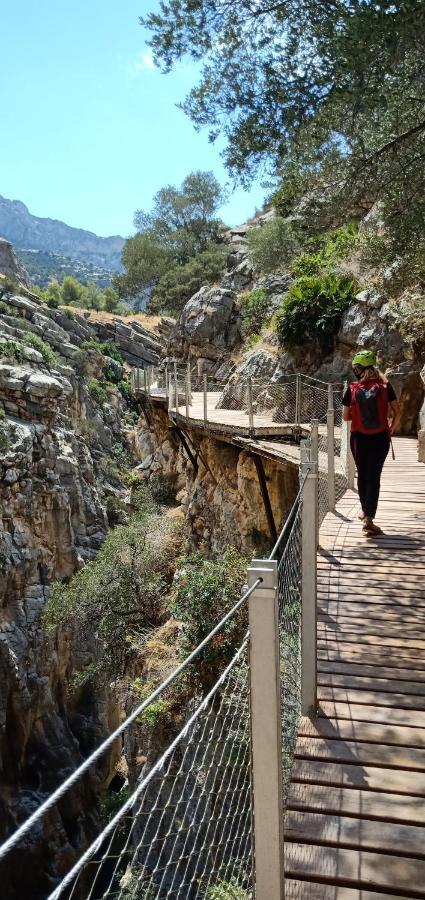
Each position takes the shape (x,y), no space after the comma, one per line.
(89,129)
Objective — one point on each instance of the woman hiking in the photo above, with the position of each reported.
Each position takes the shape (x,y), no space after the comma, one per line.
(371,405)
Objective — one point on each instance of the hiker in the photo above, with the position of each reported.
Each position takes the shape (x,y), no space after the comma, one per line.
(367,403)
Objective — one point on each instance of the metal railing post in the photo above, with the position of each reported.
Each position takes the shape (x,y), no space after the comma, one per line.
(170,392)
(330,435)
(314,457)
(167,395)
(205,399)
(309,590)
(250,408)
(266,736)
(189,379)
(145,381)
(148,380)
(298,389)
(138,379)
(186,395)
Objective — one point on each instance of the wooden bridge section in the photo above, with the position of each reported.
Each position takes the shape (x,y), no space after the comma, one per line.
(355,823)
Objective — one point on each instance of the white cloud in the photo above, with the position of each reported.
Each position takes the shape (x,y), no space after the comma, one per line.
(143,62)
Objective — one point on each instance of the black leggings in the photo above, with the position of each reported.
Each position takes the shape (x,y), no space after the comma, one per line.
(370,453)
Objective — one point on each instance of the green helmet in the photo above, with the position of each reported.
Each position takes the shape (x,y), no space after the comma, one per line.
(365,358)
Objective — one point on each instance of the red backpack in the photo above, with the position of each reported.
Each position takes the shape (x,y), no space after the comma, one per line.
(369,407)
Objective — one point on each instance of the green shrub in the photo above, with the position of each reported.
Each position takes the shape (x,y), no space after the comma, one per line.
(255,310)
(272,246)
(116,511)
(50,358)
(312,309)
(53,303)
(12,350)
(5,308)
(97,391)
(324,253)
(8,285)
(121,591)
(178,285)
(203,592)
(227,890)
(105,347)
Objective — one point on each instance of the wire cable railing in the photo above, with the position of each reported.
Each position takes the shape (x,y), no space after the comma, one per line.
(184,828)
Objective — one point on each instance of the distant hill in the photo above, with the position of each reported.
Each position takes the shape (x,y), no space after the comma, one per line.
(44,266)
(29,232)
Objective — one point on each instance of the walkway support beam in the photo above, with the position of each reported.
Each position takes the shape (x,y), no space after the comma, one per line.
(262,480)
(266,737)
(205,387)
(309,589)
(250,408)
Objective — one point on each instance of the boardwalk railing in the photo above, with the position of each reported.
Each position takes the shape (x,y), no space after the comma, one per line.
(205,813)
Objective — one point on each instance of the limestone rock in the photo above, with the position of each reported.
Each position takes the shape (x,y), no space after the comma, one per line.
(208,324)
(9,264)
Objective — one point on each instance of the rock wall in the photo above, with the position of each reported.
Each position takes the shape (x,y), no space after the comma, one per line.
(54,438)
(9,264)
(221,500)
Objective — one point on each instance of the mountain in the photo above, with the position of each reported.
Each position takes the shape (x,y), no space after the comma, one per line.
(29,232)
(44,266)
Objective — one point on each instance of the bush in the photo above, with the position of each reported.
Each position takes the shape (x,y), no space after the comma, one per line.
(272,246)
(8,285)
(255,310)
(97,391)
(5,308)
(178,285)
(326,252)
(227,890)
(105,347)
(49,356)
(312,309)
(52,303)
(12,350)
(120,592)
(204,591)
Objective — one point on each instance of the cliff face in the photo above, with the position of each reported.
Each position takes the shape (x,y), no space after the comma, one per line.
(221,498)
(55,435)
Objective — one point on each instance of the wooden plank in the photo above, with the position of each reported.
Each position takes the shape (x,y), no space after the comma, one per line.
(382,755)
(371,698)
(369,778)
(312,890)
(370,653)
(344,831)
(363,712)
(377,609)
(332,637)
(369,732)
(329,679)
(353,869)
(347,801)
(342,666)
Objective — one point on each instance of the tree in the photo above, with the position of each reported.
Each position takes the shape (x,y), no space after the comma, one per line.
(92,297)
(53,292)
(180,283)
(71,291)
(111,299)
(330,95)
(180,225)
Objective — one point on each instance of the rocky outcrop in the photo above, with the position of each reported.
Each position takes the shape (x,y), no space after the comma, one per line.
(221,500)
(35,233)
(139,347)
(56,437)
(9,264)
(208,326)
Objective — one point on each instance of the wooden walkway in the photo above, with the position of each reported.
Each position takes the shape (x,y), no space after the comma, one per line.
(355,825)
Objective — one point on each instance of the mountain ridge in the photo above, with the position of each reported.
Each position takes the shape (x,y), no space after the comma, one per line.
(28,232)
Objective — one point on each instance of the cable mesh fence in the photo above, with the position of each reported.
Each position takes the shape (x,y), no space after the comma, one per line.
(185,830)
(289,601)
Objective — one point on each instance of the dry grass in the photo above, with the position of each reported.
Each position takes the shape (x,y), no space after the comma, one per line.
(149,322)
